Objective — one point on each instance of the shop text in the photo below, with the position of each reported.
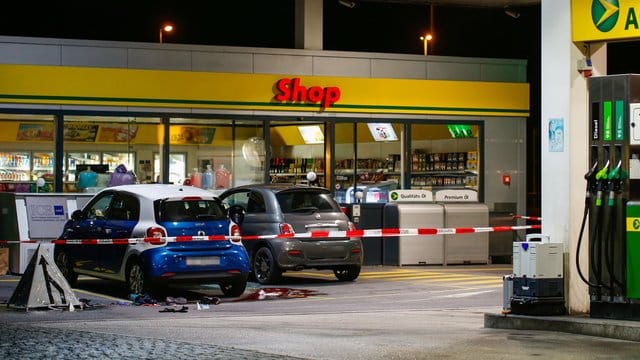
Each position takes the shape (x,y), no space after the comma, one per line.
(291,90)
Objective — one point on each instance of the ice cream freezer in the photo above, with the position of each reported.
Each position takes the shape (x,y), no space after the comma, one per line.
(34,217)
(411,209)
(461,210)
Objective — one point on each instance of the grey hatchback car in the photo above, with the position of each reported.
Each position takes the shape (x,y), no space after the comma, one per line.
(285,209)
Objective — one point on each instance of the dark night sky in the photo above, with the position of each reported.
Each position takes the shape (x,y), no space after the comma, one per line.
(370,26)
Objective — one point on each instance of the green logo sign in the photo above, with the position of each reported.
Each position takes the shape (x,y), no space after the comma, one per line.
(604,14)
(394,196)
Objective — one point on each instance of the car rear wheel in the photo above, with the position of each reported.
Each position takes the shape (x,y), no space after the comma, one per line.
(347,273)
(234,288)
(265,269)
(65,264)
(137,281)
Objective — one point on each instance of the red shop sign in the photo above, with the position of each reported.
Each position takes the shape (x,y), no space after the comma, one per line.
(291,90)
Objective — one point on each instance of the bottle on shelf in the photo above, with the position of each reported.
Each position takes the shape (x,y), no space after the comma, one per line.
(196,178)
(222,177)
(208,179)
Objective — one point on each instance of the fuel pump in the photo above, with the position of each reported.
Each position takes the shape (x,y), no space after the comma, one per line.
(612,201)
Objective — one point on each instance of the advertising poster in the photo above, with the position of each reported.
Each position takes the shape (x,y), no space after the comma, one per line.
(382,132)
(80,132)
(119,133)
(35,132)
(191,135)
(556,135)
(46,216)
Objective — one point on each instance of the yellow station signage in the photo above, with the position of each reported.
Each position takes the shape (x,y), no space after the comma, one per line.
(601,20)
(90,86)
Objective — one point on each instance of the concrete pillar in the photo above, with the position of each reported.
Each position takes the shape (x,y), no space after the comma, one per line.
(565,99)
(308,24)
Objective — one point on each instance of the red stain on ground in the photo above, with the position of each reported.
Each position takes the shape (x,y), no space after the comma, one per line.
(278,293)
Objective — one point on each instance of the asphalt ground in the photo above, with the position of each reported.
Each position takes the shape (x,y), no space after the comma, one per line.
(389,313)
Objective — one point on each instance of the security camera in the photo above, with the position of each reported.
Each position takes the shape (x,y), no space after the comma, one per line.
(349,4)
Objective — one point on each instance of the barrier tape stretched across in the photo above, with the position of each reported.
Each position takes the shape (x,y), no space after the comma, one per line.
(534,218)
(386,232)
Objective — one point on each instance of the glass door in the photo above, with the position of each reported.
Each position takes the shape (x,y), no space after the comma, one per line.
(177,167)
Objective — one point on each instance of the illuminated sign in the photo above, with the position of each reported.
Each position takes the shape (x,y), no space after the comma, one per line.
(411,196)
(600,20)
(382,132)
(291,90)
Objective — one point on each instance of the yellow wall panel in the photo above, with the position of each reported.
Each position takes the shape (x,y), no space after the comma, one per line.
(186,89)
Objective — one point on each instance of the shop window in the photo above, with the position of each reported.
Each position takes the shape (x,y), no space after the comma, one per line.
(367,161)
(218,153)
(297,150)
(27,158)
(444,156)
(104,143)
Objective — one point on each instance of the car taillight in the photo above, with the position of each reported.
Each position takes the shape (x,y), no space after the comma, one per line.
(344,210)
(352,226)
(156,232)
(234,230)
(286,229)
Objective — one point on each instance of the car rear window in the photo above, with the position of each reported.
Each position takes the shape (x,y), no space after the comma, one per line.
(190,210)
(305,200)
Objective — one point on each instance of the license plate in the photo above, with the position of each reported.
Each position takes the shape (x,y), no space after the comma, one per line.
(206,260)
(321,228)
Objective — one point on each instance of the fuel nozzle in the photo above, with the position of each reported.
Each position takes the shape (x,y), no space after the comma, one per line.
(601,179)
(590,176)
(614,182)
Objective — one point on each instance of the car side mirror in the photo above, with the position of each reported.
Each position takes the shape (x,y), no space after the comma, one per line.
(236,214)
(76,215)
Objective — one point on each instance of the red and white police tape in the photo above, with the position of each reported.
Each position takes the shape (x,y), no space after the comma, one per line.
(534,218)
(386,232)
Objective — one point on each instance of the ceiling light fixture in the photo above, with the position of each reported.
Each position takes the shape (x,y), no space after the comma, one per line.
(511,12)
(347,3)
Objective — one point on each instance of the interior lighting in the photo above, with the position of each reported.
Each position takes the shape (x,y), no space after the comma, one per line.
(511,12)
(347,3)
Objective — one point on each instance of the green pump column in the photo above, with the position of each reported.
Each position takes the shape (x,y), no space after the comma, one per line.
(633,250)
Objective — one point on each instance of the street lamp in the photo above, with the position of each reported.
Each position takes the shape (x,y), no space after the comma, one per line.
(165,28)
(426,39)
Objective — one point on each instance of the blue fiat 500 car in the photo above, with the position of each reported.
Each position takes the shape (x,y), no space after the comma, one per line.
(155,210)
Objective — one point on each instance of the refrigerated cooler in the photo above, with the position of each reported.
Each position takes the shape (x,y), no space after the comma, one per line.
(20,170)
(15,166)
